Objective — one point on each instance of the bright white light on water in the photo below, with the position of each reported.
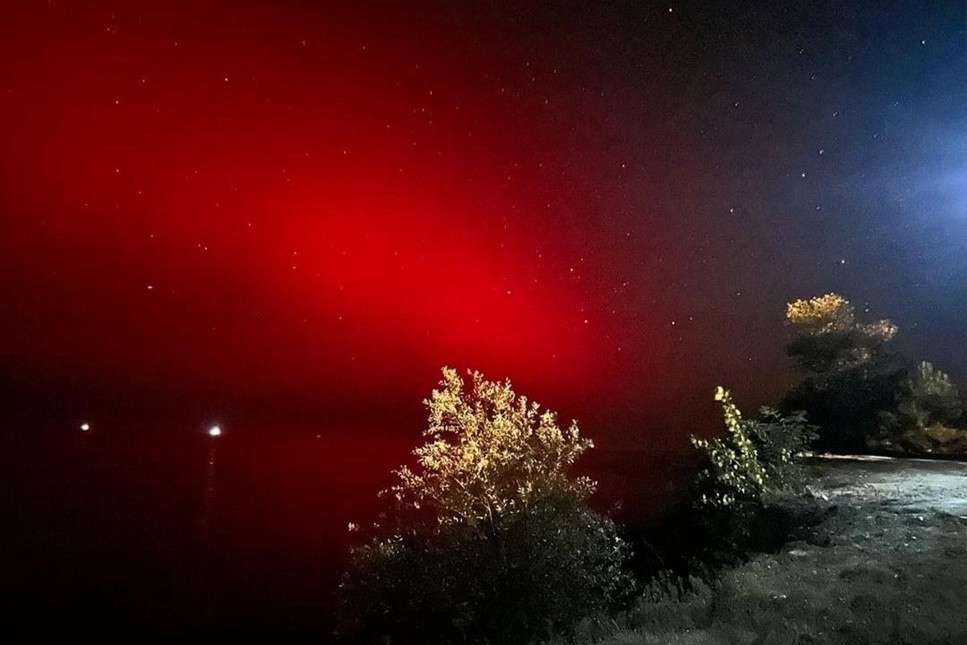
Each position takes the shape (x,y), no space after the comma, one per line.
(215,431)
(85,427)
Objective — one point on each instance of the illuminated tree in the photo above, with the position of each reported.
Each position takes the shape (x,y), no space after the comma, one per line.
(851,370)
(488,538)
(829,312)
(828,338)
(489,452)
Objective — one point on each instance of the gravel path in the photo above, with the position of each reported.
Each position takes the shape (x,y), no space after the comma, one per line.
(909,484)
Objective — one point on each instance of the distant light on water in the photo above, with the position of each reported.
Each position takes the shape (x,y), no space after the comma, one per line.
(215,431)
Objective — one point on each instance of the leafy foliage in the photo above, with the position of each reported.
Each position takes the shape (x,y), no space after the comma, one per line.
(754,458)
(929,397)
(852,371)
(927,417)
(488,538)
(734,472)
(780,440)
(489,452)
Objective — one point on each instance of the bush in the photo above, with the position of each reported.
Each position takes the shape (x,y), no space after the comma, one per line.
(488,538)
(732,511)
(733,472)
(929,397)
(927,416)
(755,458)
(780,440)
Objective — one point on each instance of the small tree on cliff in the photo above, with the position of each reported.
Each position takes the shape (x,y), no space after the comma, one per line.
(489,538)
(851,370)
(744,469)
(489,452)
(754,458)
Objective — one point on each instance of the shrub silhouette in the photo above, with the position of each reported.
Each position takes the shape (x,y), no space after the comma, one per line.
(488,539)
(780,441)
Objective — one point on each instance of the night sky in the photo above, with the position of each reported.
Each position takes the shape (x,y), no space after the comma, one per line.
(302,210)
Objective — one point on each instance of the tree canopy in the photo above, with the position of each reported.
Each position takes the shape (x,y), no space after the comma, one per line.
(851,369)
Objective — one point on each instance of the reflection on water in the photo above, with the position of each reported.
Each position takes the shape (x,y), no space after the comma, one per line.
(167,528)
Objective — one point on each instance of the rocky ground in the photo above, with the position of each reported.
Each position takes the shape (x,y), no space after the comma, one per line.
(887,564)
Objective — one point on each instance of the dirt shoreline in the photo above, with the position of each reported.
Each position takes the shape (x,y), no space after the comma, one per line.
(937,485)
(886,564)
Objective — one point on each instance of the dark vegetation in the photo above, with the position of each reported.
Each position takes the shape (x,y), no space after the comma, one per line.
(488,539)
(745,499)
(862,393)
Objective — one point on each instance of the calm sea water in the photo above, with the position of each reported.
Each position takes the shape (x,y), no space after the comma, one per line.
(163,529)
